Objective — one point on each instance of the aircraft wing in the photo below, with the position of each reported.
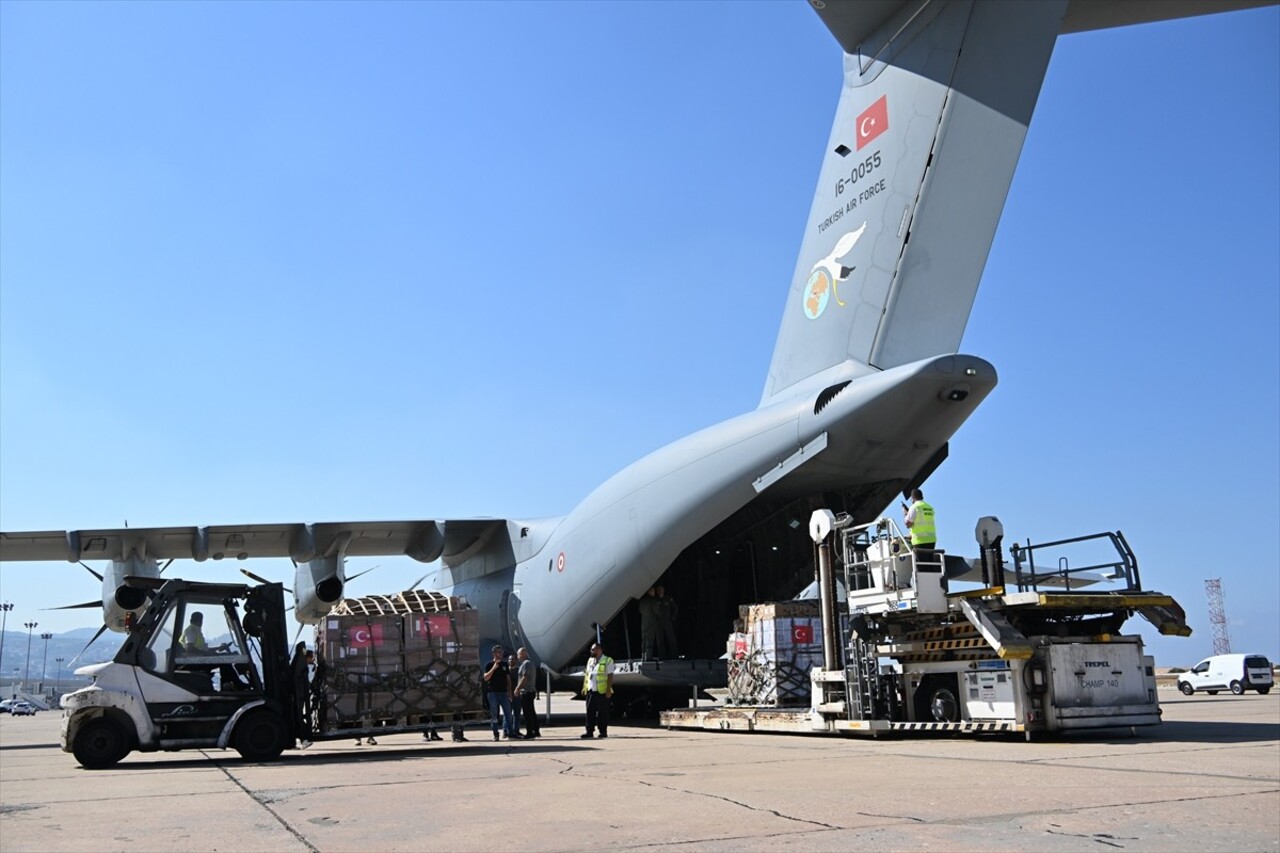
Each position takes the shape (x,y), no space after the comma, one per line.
(426,541)
(854,23)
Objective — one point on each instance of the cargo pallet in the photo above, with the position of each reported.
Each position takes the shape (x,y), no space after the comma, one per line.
(410,724)
(802,721)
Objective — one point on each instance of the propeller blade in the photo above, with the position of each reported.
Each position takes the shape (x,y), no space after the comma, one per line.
(88,644)
(414,585)
(260,579)
(166,565)
(89,570)
(365,572)
(97,604)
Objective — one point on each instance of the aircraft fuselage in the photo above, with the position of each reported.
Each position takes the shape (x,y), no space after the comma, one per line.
(840,429)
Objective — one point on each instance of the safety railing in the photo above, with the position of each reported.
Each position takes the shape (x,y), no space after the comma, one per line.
(1030,577)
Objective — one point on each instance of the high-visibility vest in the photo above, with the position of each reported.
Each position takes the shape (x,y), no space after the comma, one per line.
(602,676)
(923,529)
(193,639)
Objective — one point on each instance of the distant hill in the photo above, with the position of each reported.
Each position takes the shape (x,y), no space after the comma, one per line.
(83,633)
(45,659)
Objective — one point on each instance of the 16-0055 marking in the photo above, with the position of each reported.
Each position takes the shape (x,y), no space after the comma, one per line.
(858,172)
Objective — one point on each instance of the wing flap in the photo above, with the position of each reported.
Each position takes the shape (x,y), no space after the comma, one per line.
(424,540)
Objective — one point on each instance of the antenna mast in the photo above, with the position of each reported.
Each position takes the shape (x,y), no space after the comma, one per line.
(1218,616)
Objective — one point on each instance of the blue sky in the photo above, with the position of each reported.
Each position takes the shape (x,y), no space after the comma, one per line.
(309,262)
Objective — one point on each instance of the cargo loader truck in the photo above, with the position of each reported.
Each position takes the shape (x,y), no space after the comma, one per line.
(1034,648)
(383,665)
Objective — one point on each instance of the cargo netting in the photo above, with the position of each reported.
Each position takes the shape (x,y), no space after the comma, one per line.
(404,659)
(409,601)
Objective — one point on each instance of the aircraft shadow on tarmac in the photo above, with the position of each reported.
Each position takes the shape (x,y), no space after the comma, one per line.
(354,755)
(18,746)
(1180,732)
(1177,731)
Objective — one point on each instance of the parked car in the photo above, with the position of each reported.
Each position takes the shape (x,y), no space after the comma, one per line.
(1236,673)
(6,704)
(22,709)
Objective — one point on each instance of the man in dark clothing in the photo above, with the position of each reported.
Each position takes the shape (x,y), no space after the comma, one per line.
(667,612)
(649,619)
(497,686)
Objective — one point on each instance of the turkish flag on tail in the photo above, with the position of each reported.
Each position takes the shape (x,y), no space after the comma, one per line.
(873,121)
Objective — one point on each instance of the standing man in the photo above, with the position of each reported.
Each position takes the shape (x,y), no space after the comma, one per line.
(516,708)
(667,612)
(497,678)
(919,520)
(597,686)
(527,691)
(649,618)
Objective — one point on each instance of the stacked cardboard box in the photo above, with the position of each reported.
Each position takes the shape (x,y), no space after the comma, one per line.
(405,657)
(770,659)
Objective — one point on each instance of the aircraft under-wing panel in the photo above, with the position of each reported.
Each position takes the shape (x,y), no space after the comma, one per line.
(864,390)
(425,541)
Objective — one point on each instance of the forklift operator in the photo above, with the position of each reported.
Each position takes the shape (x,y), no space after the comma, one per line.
(193,637)
(233,675)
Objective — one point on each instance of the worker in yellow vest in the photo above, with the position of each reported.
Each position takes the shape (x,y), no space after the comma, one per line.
(920,521)
(597,686)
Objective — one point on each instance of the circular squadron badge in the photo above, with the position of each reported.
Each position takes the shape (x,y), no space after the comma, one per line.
(817,293)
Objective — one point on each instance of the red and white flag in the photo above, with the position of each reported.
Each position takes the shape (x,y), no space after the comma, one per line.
(440,626)
(364,636)
(802,634)
(873,121)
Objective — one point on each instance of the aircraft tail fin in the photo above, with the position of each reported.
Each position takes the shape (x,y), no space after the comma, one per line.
(930,124)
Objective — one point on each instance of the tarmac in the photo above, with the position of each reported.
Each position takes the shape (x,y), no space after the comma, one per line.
(1207,779)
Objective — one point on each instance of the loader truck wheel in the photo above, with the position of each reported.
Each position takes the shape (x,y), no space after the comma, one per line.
(1264,690)
(260,736)
(1186,688)
(1237,688)
(944,706)
(100,744)
(935,700)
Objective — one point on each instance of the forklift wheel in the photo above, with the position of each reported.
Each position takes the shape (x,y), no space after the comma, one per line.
(100,743)
(260,736)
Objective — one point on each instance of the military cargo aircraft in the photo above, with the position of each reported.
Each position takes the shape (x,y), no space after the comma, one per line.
(863,393)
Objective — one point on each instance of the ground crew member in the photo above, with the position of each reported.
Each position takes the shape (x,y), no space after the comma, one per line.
(597,686)
(920,521)
(649,620)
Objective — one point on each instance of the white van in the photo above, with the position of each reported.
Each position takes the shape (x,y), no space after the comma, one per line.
(1236,673)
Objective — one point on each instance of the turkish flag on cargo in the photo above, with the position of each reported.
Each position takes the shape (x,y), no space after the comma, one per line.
(439,625)
(364,636)
(873,121)
(802,634)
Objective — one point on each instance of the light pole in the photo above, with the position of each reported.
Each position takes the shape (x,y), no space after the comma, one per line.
(4,619)
(44,664)
(57,676)
(26,678)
